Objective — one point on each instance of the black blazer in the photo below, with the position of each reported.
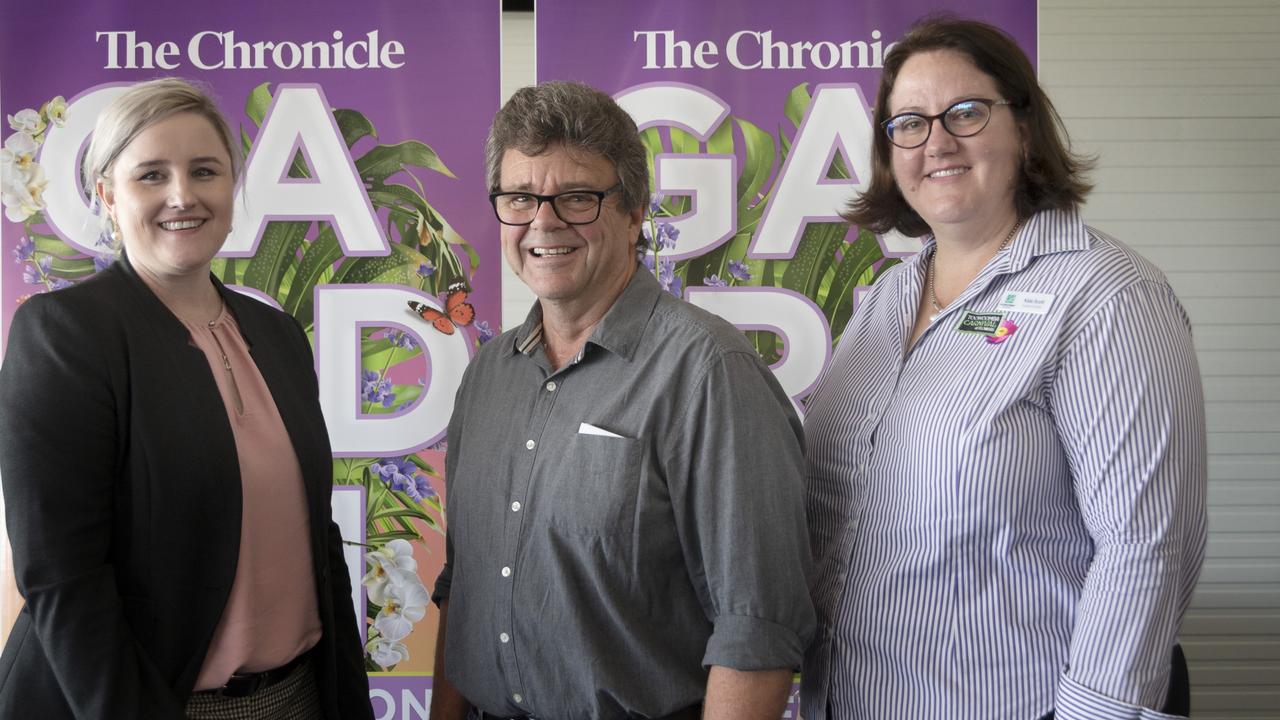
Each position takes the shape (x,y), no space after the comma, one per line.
(122,499)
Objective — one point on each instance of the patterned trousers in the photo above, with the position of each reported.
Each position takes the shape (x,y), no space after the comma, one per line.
(294,698)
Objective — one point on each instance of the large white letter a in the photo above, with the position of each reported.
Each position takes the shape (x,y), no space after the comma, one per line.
(299,120)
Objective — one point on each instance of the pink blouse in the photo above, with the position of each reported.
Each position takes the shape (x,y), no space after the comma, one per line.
(270,616)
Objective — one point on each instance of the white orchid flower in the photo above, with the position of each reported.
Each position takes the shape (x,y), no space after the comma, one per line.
(22,149)
(23,199)
(406,604)
(10,172)
(17,203)
(392,563)
(27,121)
(386,653)
(56,111)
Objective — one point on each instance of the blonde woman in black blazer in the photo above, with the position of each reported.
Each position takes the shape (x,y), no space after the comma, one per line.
(121,479)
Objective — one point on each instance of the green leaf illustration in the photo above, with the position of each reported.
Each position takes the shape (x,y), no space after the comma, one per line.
(317,261)
(383,161)
(257,103)
(797,102)
(354,126)
(276,252)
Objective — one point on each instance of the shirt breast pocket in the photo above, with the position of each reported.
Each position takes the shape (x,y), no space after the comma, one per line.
(594,491)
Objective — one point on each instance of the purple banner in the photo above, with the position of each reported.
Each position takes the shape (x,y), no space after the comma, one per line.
(758,120)
(364,129)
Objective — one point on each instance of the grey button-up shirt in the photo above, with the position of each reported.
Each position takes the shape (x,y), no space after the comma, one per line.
(621,524)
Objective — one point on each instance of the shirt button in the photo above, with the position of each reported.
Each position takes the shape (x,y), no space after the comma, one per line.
(530,445)
(515,506)
(551,386)
(504,638)
(506,572)
(518,697)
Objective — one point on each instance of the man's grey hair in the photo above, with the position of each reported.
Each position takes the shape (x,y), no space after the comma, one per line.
(579,117)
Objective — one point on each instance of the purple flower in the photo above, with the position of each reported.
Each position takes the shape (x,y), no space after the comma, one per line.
(667,277)
(22,253)
(486,333)
(102,262)
(738,270)
(35,274)
(425,490)
(426,269)
(402,339)
(655,204)
(665,273)
(714,281)
(673,233)
(402,475)
(376,389)
(666,236)
(57,283)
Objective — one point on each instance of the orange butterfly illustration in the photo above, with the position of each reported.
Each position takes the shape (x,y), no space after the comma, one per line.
(457,311)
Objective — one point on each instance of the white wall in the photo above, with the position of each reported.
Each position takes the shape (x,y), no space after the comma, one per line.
(517,71)
(1180,100)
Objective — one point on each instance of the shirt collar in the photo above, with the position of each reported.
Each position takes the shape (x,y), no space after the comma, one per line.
(619,331)
(1045,233)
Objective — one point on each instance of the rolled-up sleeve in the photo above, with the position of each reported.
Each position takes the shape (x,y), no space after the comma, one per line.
(1130,410)
(736,474)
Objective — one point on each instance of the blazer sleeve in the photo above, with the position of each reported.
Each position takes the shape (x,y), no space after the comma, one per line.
(59,430)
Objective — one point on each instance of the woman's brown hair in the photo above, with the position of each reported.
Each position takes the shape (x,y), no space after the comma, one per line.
(1051,177)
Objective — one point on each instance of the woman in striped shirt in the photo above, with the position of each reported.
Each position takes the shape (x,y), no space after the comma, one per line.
(1007,454)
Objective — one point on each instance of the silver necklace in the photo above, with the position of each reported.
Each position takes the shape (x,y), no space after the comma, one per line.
(933,266)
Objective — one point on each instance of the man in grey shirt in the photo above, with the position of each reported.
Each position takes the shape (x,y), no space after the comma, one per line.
(626,514)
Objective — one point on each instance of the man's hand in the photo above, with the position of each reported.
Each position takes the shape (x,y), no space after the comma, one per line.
(738,695)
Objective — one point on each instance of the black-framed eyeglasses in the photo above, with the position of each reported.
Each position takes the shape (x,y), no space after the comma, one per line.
(963,119)
(575,207)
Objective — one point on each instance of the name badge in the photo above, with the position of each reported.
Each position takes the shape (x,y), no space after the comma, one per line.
(980,323)
(1025,302)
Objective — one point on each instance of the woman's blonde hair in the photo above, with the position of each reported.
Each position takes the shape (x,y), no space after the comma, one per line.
(137,109)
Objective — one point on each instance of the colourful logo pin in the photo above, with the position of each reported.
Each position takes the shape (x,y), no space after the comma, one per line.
(1002,333)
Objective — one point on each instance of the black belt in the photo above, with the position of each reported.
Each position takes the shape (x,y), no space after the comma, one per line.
(245,684)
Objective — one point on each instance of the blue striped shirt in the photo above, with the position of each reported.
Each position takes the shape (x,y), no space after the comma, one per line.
(1007,523)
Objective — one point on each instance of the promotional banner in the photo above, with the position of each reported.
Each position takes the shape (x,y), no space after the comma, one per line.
(758,120)
(363,128)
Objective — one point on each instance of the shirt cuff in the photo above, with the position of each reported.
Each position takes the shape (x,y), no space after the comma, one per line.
(741,642)
(1077,702)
